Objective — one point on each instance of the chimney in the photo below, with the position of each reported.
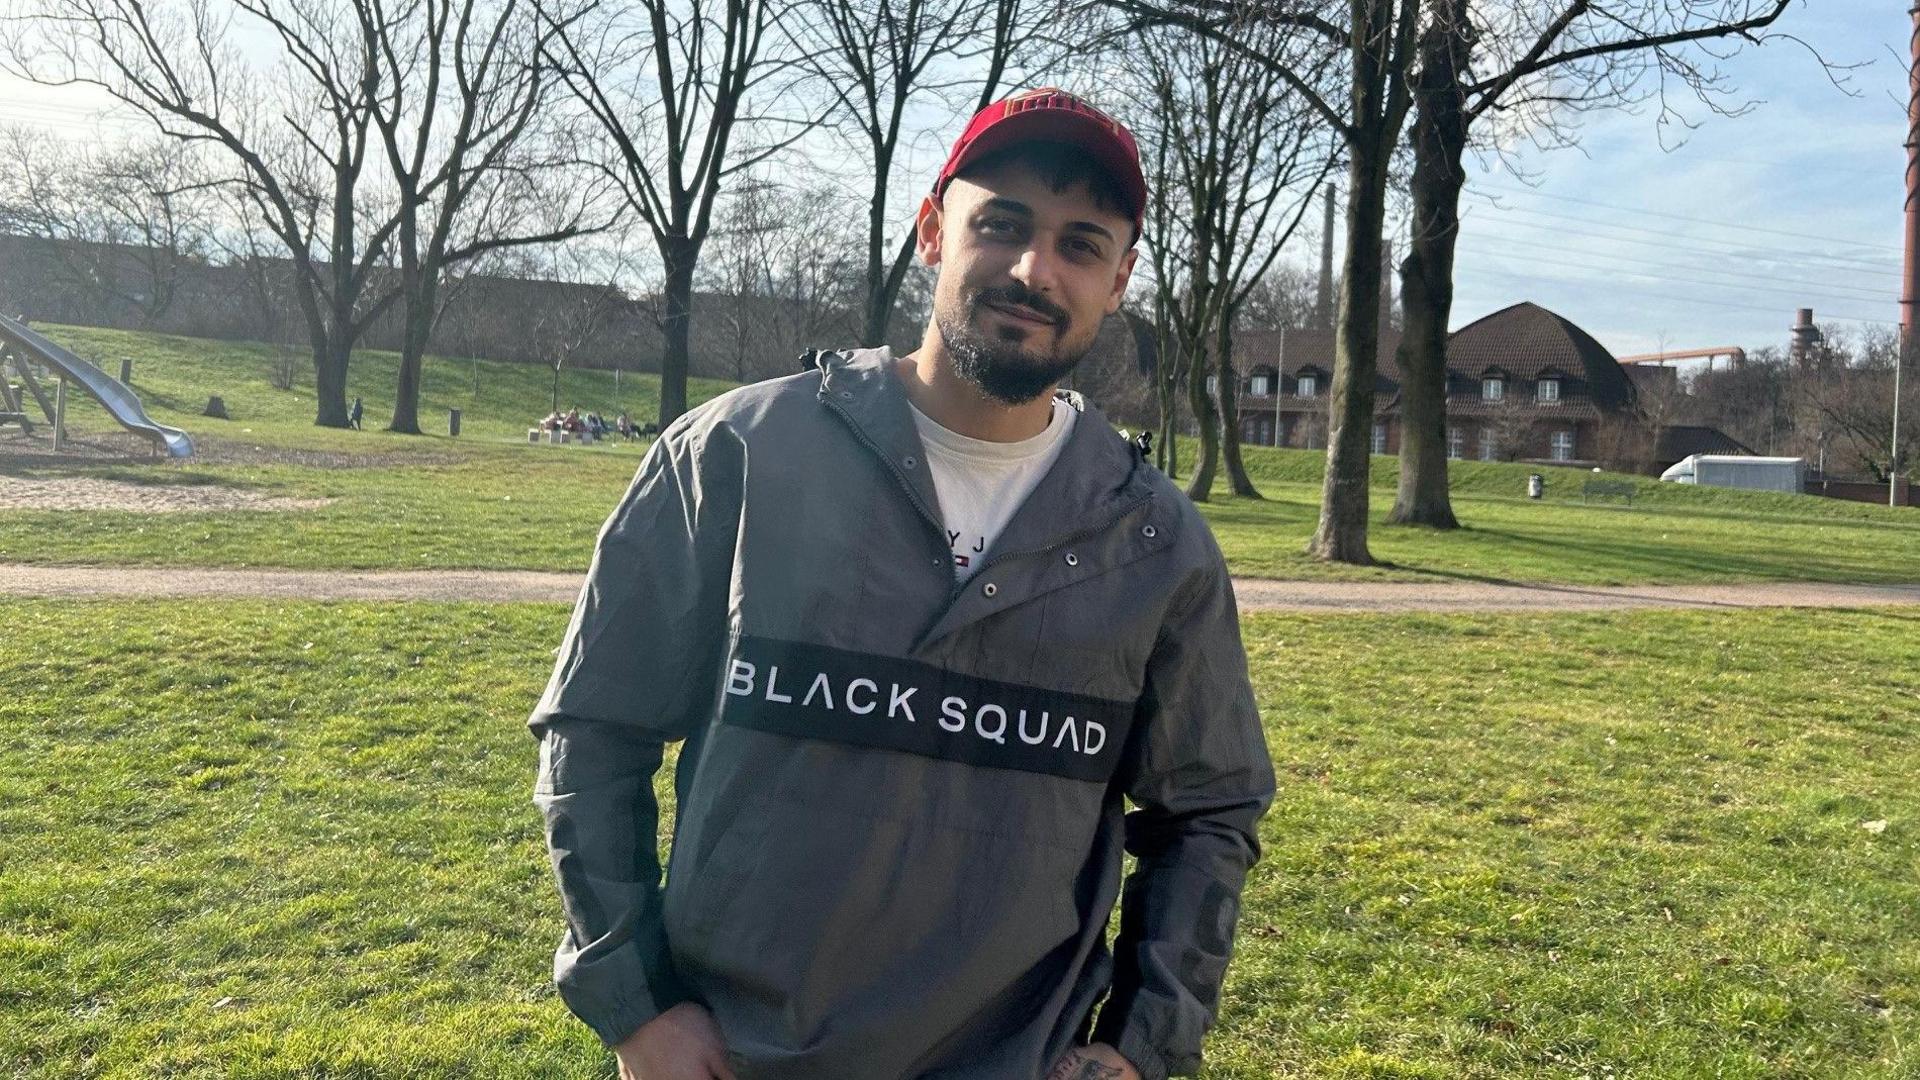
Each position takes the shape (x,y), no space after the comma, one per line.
(1323,300)
(1806,337)
(1386,285)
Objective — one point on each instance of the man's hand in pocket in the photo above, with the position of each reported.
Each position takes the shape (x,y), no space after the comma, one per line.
(682,1043)
(1096,1062)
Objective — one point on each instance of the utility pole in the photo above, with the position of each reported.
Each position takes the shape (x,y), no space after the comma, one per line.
(1279,380)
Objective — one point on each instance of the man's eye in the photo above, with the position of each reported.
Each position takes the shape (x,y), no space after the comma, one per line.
(1087,247)
(997,225)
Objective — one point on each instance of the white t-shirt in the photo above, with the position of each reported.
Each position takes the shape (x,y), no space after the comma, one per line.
(981,483)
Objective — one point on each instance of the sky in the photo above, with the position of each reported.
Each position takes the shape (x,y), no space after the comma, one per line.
(1713,239)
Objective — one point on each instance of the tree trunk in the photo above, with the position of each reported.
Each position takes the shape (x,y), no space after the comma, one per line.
(415,332)
(1207,419)
(1341,535)
(1166,390)
(680,255)
(1426,277)
(1229,401)
(330,382)
(879,304)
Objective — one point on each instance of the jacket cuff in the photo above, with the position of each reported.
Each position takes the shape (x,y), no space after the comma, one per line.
(616,993)
(1132,1036)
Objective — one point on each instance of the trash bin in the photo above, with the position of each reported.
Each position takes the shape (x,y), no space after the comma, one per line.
(453,423)
(1536,484)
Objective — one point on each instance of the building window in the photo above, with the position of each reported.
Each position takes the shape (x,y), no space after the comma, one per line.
(1309,386)
(1456,439)
(1563,446)
(1493,388)
(1489,445)
(1547,391)
(1259,387)
(1379,438)
(1213,385)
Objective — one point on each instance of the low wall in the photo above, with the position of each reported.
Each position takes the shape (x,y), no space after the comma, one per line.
(1867,491)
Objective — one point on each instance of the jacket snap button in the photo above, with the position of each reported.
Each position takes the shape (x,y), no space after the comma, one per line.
(909,461)
(937,560)
(848,394)
(989,588)
(1072,559)
(1149,531)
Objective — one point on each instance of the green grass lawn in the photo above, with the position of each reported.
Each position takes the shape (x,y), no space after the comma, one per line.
(488,500)
(295,840)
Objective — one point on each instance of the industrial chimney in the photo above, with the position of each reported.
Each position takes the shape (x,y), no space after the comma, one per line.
(1804,345)
(1323,300)
(1387,271)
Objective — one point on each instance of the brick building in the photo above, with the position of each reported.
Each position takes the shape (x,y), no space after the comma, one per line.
(1523,384)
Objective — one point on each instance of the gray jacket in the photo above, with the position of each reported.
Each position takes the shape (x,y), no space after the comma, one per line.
(901,802)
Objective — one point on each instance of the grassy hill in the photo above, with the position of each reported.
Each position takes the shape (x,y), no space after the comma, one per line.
(498,400)
(489,500)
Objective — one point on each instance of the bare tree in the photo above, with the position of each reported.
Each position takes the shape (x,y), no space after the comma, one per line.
(294,110)
(667,82)
(1536,59)
(877,59)
(584,301)
(1284,296)
(1242,160)
(1846,397)
(461,90)
(1353,69)
(118,225)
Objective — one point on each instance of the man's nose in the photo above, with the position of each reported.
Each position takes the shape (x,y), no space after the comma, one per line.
(1038,270)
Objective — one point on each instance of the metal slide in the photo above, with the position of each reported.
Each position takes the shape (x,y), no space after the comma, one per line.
(122,403)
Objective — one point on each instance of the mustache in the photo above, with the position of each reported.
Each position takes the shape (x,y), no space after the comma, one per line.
(1018,295)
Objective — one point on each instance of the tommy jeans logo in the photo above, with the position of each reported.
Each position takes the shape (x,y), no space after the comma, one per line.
(812,691)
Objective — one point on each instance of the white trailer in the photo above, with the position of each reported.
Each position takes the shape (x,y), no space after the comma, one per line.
(1740,471)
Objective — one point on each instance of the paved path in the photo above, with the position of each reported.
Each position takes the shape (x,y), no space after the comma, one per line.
(1255,595)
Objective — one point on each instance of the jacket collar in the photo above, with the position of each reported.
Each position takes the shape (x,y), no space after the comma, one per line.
(1097,500)
(1097,476)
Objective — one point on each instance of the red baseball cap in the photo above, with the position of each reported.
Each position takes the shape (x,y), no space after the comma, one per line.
(1052,115)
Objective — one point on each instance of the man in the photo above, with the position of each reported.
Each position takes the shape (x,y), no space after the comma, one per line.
(925,626)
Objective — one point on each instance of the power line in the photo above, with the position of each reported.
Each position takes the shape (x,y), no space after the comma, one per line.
(1692,220)
(1707,275)
(1666,242)
(1668,296)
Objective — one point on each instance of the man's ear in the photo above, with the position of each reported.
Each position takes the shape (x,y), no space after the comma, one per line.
(1120,279)
(926,229)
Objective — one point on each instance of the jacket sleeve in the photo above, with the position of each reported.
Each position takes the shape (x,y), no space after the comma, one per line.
(638,668)
(1199,777)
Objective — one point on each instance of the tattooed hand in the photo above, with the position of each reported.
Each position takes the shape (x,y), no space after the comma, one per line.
(1096,1062)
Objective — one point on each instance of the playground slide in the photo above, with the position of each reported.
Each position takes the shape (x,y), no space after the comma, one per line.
(121,402)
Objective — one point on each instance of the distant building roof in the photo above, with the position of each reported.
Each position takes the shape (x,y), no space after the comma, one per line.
(1679,441)
(1526,341)
(1523,341)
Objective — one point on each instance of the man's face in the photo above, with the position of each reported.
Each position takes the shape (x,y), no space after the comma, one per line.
(1026,275)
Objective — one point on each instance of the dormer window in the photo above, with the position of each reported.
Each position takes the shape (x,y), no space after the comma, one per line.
(1259,387)
(1308,386)
(1547,391)
(1493,388)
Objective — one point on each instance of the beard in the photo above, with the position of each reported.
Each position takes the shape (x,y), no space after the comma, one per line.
(998,363)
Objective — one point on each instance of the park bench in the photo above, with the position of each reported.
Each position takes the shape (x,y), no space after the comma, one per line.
(1600,489)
